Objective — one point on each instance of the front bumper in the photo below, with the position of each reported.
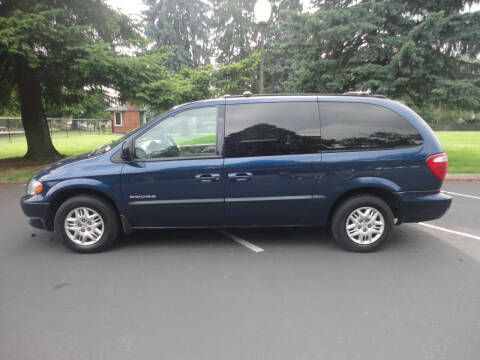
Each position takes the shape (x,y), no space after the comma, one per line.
(420,206)
(37,212)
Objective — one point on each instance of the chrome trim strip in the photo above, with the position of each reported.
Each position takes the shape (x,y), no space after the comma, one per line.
(269,198)
(178,201)
(220,200)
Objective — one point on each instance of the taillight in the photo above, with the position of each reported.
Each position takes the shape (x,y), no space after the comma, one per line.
(438,165)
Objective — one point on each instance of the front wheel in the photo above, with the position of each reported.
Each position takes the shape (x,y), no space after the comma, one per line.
(86,224)
(362,223)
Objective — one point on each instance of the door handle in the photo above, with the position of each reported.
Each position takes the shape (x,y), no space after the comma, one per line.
(207,178)
(240,176)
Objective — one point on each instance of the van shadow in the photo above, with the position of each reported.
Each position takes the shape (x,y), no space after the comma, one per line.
(173,238)
(286,237)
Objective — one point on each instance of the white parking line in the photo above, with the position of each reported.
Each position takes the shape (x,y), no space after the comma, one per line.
(450,231)
(241,241)
(457,194)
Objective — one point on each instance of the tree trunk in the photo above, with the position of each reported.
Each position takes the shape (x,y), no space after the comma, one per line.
(39,142)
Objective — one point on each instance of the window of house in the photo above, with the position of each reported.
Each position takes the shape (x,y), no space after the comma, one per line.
(118,119)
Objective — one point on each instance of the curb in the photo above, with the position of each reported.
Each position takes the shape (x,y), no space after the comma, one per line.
(18,182)
(463,177)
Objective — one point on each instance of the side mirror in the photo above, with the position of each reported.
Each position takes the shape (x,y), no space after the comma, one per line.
(127,153)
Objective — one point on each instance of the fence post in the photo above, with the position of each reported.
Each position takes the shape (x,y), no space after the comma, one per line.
(8,128)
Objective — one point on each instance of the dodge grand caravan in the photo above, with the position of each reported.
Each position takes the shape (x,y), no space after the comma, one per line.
(359,164)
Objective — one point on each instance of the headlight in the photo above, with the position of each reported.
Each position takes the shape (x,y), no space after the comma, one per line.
(34,187)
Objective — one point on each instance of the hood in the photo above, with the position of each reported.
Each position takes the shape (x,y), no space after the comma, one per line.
(60,166)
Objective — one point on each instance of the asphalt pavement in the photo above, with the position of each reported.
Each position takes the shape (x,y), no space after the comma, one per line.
(211,295)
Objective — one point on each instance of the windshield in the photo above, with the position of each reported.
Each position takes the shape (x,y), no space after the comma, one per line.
(118,141)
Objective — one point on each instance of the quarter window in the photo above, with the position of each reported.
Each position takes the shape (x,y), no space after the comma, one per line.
(263,129)
(357,126)
(191,133)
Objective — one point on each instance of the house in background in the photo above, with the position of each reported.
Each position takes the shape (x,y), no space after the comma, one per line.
(126,118)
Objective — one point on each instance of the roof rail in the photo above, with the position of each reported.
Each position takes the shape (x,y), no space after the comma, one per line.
(351,93)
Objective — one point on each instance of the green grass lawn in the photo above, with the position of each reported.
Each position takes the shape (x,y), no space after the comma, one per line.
(71,145)
(13,167)
(463,150)
(462,147)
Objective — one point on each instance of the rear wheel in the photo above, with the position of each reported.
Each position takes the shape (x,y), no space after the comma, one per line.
(86,224)
(362,223)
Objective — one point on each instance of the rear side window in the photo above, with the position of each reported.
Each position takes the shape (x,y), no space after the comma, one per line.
(357,126)
(263,129)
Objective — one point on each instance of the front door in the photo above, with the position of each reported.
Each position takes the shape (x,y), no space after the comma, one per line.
(272,162)
(177,179)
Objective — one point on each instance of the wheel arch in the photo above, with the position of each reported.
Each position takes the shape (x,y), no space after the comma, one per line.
(386,194)
(64,194)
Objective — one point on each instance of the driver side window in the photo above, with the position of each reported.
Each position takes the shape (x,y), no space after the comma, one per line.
(190,133)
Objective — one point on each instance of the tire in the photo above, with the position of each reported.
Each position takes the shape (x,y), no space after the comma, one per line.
(95,228)
(364,225)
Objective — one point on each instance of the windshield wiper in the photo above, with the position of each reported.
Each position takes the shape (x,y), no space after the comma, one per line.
(101,149)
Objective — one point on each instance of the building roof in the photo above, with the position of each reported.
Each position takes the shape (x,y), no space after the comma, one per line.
(124,108)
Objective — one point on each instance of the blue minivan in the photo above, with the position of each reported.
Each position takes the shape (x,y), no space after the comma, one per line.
(359,164)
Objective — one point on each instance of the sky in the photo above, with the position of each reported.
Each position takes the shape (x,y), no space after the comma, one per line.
(129,7)
(135,7)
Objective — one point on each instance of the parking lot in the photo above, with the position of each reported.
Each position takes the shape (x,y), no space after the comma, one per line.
(243,294)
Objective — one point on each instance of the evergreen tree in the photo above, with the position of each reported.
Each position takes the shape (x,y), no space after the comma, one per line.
(235,32)
(422,52)
(182,25)
(234,29)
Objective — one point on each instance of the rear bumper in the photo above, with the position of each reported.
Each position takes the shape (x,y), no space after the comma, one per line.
(423,205)
(37,212)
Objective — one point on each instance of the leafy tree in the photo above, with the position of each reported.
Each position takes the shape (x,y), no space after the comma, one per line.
(203,82)
(54,53)
(423,52)
(9,105)
(182,25)
(238,77)
(175,88)
(92,106)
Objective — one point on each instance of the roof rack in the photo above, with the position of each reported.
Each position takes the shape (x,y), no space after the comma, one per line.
(350,93)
